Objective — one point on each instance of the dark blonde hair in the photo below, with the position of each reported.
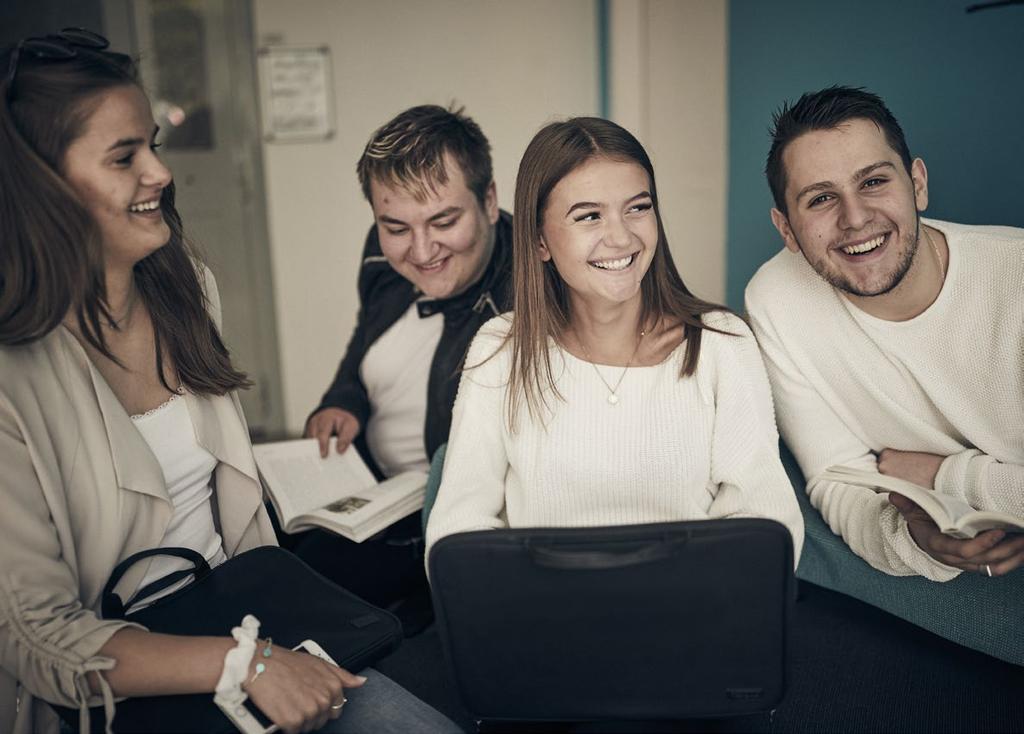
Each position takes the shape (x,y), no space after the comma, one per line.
(408,151)
(541,298)
(51,254)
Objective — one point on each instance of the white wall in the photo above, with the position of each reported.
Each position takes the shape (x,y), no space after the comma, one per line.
(668,86)
(514,65)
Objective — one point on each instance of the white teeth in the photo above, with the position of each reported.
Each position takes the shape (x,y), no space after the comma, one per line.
(145,206)
(865,246)
(621,264)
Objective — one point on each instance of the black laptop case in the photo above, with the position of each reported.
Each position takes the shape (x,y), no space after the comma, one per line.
(666,621)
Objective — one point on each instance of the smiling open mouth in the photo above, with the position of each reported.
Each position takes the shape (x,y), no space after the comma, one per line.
(144,207)
(431,267)
(618,264)
(865,247)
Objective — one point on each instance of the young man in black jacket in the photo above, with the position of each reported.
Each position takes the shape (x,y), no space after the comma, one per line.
(436,266)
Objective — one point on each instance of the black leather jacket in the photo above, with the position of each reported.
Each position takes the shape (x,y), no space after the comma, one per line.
(384,296)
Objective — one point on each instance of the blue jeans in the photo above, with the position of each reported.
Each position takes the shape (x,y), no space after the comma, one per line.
(381,706)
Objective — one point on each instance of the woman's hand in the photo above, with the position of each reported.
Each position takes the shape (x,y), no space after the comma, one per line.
(298,691)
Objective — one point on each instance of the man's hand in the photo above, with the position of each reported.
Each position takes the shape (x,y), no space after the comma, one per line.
(913,466)
(330,422)
(990,553)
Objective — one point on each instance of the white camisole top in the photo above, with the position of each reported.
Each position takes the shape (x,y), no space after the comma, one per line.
(188,471)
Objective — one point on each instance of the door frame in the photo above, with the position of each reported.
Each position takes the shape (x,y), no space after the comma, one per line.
(246,153)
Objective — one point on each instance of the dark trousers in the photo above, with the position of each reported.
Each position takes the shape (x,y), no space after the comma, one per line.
(386,570)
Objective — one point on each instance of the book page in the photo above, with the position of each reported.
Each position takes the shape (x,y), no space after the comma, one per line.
(355,509)
(301,481)
(987,521)
(943,509)
(953,516)
(368,511)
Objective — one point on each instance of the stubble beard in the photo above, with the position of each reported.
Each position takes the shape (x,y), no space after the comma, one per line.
(837,279)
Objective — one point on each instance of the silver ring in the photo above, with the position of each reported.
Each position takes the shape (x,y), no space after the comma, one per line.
(988,570)
(339,706)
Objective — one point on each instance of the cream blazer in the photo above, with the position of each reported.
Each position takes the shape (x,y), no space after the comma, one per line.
(81,491)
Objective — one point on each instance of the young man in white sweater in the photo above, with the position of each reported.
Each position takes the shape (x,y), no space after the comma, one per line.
(893,344)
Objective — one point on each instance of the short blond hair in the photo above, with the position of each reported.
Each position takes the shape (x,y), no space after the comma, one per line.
(409,152)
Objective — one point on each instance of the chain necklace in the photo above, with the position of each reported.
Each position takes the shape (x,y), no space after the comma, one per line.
(613,392)
(128,311)
(935,249)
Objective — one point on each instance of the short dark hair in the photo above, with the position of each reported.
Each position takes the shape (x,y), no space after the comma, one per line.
(827,110)
(408,151)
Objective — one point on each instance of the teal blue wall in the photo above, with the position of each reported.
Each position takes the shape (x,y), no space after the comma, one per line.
(953,80)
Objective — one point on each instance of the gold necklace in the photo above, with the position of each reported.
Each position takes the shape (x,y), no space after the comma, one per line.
(935,249)
(613,392)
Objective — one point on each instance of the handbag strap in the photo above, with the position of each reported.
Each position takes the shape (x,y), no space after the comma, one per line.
(113,608)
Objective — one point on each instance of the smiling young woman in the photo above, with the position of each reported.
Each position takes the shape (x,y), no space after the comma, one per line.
(611,395)
(120,429)
(74,180)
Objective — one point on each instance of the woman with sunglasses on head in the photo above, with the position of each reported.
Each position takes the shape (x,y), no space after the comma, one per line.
(120,429)
(611,395)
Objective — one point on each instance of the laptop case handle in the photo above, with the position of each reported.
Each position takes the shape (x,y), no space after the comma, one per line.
(568,558)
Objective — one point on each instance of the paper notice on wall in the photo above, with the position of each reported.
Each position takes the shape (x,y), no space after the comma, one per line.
(295,93)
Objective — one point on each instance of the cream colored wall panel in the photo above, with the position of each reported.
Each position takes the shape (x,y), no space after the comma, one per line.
(668,85)
(628,61)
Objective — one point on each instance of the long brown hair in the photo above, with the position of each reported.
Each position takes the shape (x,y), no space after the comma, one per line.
(51,254)
(540,296)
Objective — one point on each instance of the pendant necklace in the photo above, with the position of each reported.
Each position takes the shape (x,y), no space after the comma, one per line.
(613,392)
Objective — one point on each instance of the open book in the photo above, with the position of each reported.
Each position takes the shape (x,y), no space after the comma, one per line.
(338,493)
(953,516)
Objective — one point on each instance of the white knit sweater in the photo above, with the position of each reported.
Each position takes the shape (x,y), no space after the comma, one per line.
(949,381)
(671,449)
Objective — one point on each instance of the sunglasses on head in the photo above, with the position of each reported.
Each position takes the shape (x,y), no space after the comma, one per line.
(56,47)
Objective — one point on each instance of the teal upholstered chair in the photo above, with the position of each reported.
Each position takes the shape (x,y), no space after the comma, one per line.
(975,611)
(433,483)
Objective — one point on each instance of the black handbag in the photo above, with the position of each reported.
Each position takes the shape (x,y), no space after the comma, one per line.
(665,621)
(292,601)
